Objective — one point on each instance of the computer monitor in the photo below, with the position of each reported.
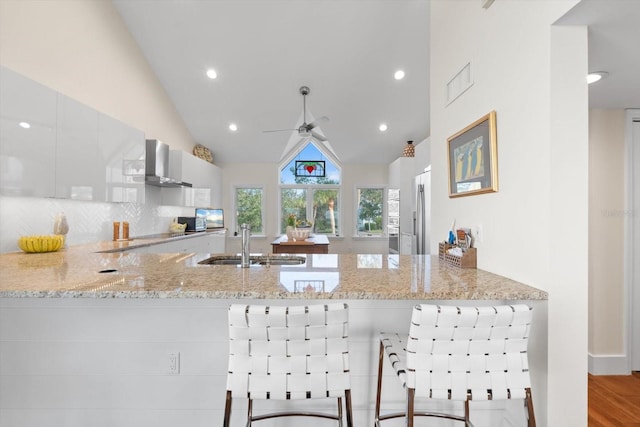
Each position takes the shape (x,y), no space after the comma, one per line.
(214,217)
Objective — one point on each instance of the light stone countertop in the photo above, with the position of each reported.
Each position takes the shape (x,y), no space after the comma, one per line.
(76,272)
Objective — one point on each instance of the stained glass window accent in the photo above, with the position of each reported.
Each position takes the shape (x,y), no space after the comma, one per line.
(310,168)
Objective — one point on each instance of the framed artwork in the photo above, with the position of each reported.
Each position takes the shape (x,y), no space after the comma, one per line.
(473,158)
(310,168)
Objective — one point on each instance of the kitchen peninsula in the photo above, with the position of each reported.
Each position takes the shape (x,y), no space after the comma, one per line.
(110,322)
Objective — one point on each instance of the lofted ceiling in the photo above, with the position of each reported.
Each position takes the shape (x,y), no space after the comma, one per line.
(263,51)
(614,37)
(347,52)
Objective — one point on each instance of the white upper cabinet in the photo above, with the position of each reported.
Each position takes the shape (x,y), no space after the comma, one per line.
(204,177)
(54,146)
(27,137)
(122,158)
(78,172)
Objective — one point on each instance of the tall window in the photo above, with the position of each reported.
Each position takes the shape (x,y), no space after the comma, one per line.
(249,208)
(310,190)
(370,211)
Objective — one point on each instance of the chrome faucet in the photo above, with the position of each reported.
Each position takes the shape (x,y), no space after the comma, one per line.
(246,238)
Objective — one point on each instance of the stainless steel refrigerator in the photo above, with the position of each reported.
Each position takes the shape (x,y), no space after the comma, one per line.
(422,213)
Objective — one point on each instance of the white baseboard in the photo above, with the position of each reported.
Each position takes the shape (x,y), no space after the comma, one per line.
(616,364)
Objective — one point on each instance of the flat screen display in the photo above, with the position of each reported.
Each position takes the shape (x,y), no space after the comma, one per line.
(214,217)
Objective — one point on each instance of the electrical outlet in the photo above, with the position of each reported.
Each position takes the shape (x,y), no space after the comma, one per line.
(479,233)
(173,363)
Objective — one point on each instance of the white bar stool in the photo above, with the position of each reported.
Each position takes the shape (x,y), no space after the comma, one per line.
(289,353)
(462,354)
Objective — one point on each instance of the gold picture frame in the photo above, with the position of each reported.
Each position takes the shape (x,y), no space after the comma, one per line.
(473,158)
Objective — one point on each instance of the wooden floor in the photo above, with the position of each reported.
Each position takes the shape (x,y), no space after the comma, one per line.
(614,400)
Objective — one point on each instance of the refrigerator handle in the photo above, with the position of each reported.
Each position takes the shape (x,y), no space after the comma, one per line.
(415,219)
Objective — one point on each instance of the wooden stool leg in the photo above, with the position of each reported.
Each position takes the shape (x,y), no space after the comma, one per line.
(379,389)
(227,410)
(347,397)
(249,412)
(410,398)
(467,416)
(528,401)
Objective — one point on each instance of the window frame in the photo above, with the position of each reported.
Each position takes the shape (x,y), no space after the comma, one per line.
(385,211)
(310,188)
(262,207)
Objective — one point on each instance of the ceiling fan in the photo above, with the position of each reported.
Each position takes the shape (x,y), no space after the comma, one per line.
(305,129)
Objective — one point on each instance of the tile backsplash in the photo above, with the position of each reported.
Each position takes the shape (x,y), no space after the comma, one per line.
(88,221)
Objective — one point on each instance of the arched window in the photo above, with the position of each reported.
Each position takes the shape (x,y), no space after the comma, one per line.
(310,189)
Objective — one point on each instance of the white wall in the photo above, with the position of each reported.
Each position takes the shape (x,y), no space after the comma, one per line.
(606,234)
(535,228)
(83,49)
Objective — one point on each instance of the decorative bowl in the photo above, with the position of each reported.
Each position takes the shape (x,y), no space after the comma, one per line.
(44,243)
(300,233)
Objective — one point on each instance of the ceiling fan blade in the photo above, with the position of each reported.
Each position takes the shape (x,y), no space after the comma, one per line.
(316,121)
(278,130)
(317,136)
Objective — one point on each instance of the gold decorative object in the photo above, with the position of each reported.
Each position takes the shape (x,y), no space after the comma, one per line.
(409,150)
(203,153)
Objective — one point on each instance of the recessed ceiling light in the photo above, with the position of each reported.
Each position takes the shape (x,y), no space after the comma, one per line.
(233,127)
(596,76)
(211,73)
(382,127)
(24,125)
(399,75)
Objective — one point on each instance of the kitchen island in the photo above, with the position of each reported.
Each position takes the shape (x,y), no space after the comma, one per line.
(316,244)
(109,324)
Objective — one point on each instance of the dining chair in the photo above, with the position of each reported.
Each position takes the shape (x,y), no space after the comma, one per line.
(460,354)
(289,353)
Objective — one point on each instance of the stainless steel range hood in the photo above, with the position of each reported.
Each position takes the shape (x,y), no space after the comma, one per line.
(157,166)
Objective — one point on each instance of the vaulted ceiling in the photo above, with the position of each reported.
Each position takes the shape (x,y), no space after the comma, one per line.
(346,52)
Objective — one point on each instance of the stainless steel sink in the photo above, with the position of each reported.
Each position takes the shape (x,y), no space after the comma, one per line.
(255,260)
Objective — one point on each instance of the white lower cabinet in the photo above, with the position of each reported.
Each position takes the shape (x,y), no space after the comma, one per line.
(199,243)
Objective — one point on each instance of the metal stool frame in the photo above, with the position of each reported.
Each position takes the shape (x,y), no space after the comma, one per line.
(460,353)
(289,353)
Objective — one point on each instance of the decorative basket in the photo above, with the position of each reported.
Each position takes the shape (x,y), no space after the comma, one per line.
(467,260)
(300,233)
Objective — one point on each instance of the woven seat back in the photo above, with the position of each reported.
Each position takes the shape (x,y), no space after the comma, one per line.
(480,352)
(297,352)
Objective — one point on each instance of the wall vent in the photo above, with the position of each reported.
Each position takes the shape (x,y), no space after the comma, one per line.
(459,83)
